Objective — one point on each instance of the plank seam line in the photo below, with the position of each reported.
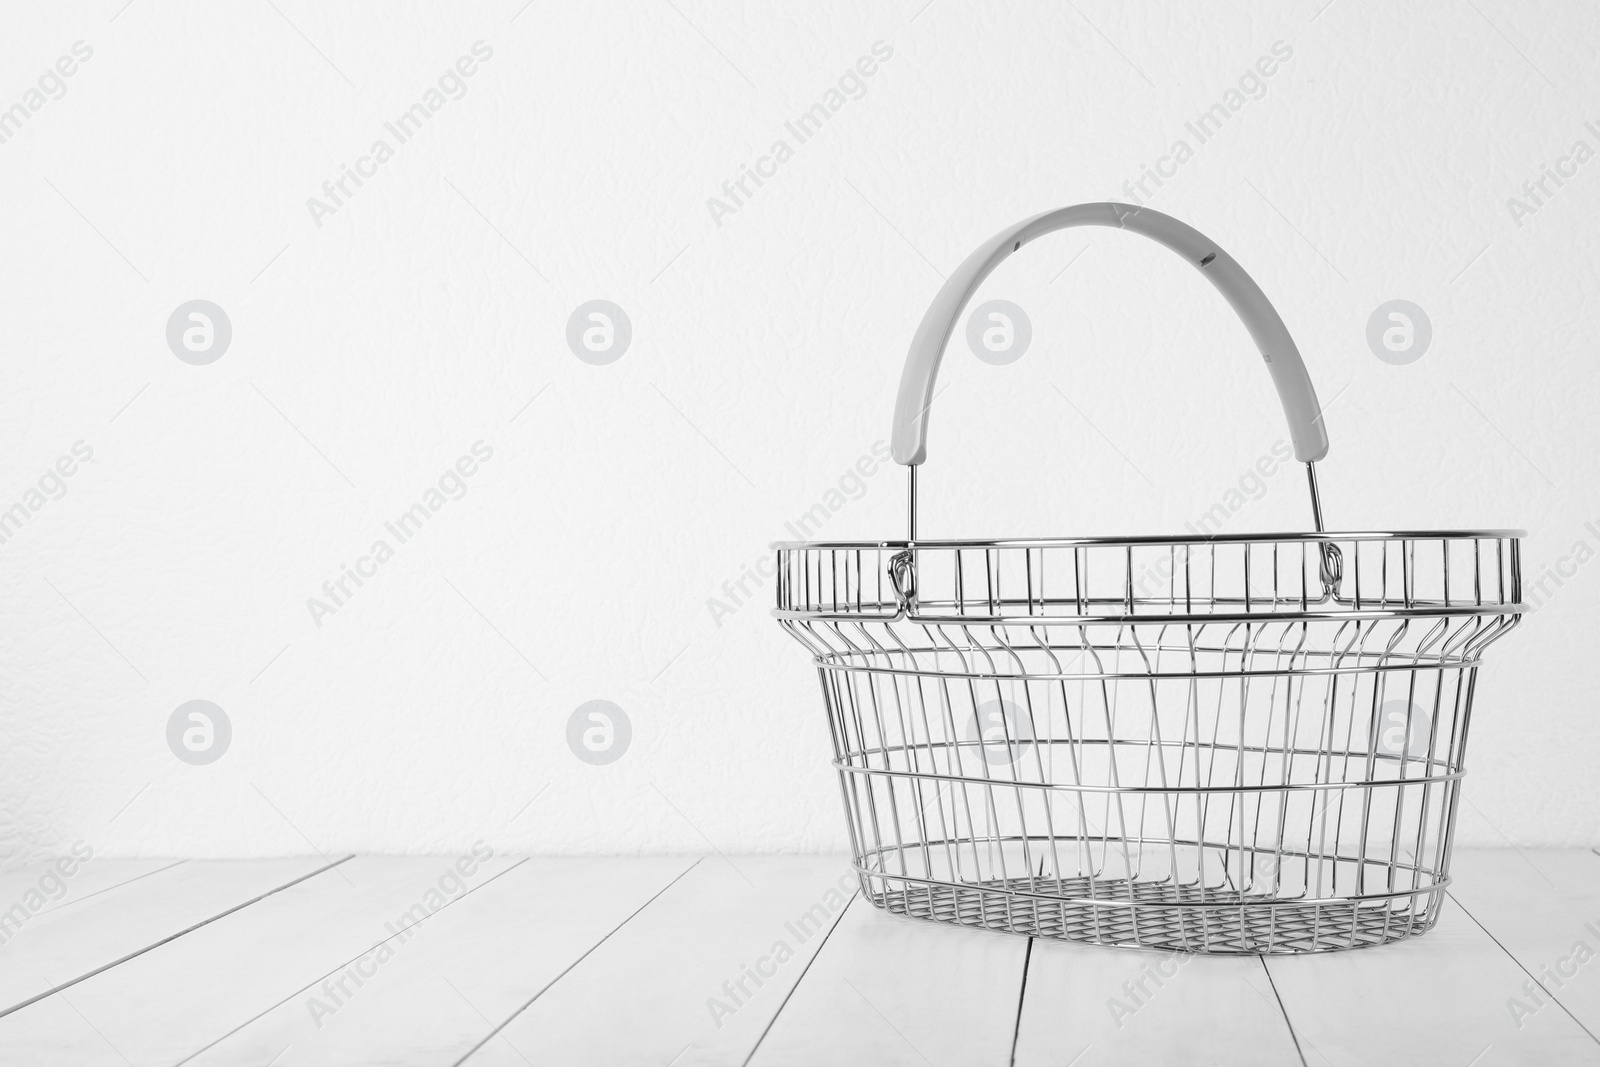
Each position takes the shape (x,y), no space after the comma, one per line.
(1022,997)
(587,952)
(803,972)
(269,1010)
(1555,999)
(1289,1023)
(109,888)
(171,937)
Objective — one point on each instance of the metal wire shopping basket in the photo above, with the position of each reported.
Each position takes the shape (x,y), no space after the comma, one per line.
(1234,744)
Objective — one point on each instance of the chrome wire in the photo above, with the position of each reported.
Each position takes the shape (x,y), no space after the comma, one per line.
(1197,745)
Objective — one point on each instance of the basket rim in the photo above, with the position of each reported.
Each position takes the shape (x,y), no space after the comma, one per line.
(1453,611)
(1161,539)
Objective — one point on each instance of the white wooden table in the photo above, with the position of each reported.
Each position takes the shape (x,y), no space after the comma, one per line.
(707,960)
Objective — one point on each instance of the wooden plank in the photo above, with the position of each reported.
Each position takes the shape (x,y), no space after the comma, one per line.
(1438,998)
(1543,908)
(171,1003)
(463,973)
(891,990)
(687,973)
(624,961)
(1088,1005)
(43,887)
(64,946)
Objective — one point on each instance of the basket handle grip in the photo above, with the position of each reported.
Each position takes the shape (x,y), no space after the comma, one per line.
(1295,392)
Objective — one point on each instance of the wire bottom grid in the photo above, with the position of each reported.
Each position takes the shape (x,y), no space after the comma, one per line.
(1160,915)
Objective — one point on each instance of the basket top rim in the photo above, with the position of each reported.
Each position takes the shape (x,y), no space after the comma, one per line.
(1170,539)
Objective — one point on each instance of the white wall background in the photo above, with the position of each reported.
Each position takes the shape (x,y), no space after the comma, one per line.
(429,313)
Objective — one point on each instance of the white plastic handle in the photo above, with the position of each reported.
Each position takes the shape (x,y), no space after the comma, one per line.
(1295,392)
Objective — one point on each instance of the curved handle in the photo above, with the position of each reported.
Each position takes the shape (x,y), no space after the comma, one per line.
(1295,392)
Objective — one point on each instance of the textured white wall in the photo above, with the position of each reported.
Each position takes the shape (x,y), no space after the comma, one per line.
(420,320)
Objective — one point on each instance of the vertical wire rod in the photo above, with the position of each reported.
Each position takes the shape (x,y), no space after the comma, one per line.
(911,498)
(1316,498)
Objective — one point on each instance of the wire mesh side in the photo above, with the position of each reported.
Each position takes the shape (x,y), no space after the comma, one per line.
(1142,783)
(1266,780)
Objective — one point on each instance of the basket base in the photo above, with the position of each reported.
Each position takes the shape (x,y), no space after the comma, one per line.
(1160,915)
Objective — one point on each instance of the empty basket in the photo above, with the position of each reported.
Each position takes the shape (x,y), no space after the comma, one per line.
(1235,744)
